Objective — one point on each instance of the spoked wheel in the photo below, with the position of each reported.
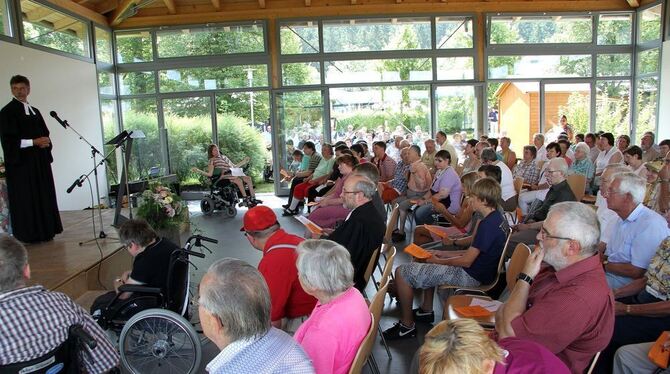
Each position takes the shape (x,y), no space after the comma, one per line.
(230,211)
(159,341)
(207,206)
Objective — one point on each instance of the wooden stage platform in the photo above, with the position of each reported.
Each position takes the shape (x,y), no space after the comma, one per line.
(65,266)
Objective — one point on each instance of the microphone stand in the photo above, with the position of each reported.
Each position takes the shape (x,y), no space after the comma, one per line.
(80,180)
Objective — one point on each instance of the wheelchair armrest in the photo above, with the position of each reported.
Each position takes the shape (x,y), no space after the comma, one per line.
(139,288)
(80,334)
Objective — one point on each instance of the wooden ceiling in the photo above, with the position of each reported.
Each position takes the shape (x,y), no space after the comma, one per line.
(124,14)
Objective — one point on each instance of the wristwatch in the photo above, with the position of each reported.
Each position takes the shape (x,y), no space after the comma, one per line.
(525,277)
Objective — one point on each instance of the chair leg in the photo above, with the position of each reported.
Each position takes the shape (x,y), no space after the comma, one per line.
(374,282)
(388,352)
(373,362)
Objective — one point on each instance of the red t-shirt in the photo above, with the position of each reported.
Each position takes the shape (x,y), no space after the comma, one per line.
(278,268)
(571,312)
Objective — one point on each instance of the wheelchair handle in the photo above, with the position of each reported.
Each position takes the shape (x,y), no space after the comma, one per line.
(203,238)
(81,334)
(192,253)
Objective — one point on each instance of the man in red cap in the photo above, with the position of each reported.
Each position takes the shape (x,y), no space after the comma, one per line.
(290,303)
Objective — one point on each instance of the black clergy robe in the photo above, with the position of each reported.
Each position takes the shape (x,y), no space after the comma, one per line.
(30,184)
(361,234)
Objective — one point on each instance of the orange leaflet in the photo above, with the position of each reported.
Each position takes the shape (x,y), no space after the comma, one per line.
(435,231)
(314,228)
(476,311)
(658,354)
(417,252)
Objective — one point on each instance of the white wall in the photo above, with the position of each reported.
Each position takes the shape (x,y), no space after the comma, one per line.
(69,87)
(664,101)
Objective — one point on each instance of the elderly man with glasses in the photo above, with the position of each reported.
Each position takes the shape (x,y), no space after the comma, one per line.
(636,234)
(561,299)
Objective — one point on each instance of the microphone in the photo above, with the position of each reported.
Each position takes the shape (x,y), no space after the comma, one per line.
(55,116)
(76,183)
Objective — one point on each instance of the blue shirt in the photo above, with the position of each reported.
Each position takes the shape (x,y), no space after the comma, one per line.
(399,182)
(490,241)
(635,239)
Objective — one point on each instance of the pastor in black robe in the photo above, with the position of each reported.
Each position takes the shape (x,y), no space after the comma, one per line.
(30,185)
(361,234)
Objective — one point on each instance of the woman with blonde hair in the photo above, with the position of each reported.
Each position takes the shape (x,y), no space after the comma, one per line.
(462,346)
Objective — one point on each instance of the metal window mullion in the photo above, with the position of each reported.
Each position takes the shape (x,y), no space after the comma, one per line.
(215,121)
(433,110)
(594,112)
(326,130)
(163,135)
(542,108)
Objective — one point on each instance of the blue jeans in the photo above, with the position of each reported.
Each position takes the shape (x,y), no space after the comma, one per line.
(424,214)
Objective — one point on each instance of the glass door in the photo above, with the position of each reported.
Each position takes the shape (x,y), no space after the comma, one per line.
(570,99)
(457,114)
(188,122)
(299,117)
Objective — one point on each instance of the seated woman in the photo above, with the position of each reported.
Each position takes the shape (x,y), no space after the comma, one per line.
(220,165)
(462,346)
(329,210)
(507,154)
(319,177)
(341,319)
(582,164)
(467,268)
(539,191)
(359,152)
(462,223)
(446,189)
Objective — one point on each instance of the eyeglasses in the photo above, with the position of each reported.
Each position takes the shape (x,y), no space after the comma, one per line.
(544,234)
(552,171)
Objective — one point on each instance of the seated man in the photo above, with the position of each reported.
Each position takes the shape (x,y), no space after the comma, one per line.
(527,168)
(558,192)
(385,164)
(418,183)
(636,234)
(642,308)
(363,230)
(428,157)
(565,306)
(34,321)
(290,304)
(150,264)
(234,310)
(397,186)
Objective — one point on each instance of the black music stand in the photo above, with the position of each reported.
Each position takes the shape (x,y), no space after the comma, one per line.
(125,141)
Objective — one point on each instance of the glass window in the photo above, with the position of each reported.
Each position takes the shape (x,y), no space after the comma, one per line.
(197,79)
(572,100)
(299,37)
(549,66)
(649,27)
(613,106)
(103,46)
(542,29)
(220,40)
(615,29)
(455,68)
(301,73)
(110,129)
(133,47)
(47,27)
(106,83)
(388,70)
(456,110)
(647,100)
(453,32)
(5,21)
(648,61)
(133,83)
(140,114)
(370,109)
(613,65)
(376,34)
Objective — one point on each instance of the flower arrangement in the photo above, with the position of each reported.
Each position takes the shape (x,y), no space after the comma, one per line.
(161,208)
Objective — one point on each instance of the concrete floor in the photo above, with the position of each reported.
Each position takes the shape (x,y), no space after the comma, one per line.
(232,243)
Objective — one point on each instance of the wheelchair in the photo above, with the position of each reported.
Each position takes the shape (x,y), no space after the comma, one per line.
(64,359)
(224,196)
(154,332)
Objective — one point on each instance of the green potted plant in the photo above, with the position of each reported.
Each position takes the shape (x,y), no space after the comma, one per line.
(165,212)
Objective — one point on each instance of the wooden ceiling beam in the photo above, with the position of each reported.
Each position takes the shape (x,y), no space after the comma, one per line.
(261,4)
(170,5)
(216,4)
(633,3)
(38,14)
(115,18)
(106,6)
(80,10)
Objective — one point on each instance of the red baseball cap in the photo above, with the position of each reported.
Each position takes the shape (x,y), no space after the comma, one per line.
(259,218)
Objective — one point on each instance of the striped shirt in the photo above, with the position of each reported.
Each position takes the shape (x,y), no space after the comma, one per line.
(222,163)
(34,321)
(528,171)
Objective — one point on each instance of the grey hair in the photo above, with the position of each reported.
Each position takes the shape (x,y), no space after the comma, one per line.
(238,295)
(368,170)
(559,164)
(616,168)
(366,186)
(539,136)
(325,266)
(581,146)
(633,184)
(580,220)
(428,141)
(13,259)
(488,154)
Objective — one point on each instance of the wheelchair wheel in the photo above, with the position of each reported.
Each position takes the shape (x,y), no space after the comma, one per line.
(207,206)
(230,211)
(159,341)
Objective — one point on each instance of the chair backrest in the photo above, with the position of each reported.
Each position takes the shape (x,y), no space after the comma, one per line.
(577,184)
(593,363)
(391,225)
(377,302)
(516,264)
(518,184)
(178,283)
(501,265)
(371,266)
(388,267)
(365,348)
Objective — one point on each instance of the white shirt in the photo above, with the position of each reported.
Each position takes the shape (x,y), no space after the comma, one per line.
(507,181)
(604,159)
(541,154)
